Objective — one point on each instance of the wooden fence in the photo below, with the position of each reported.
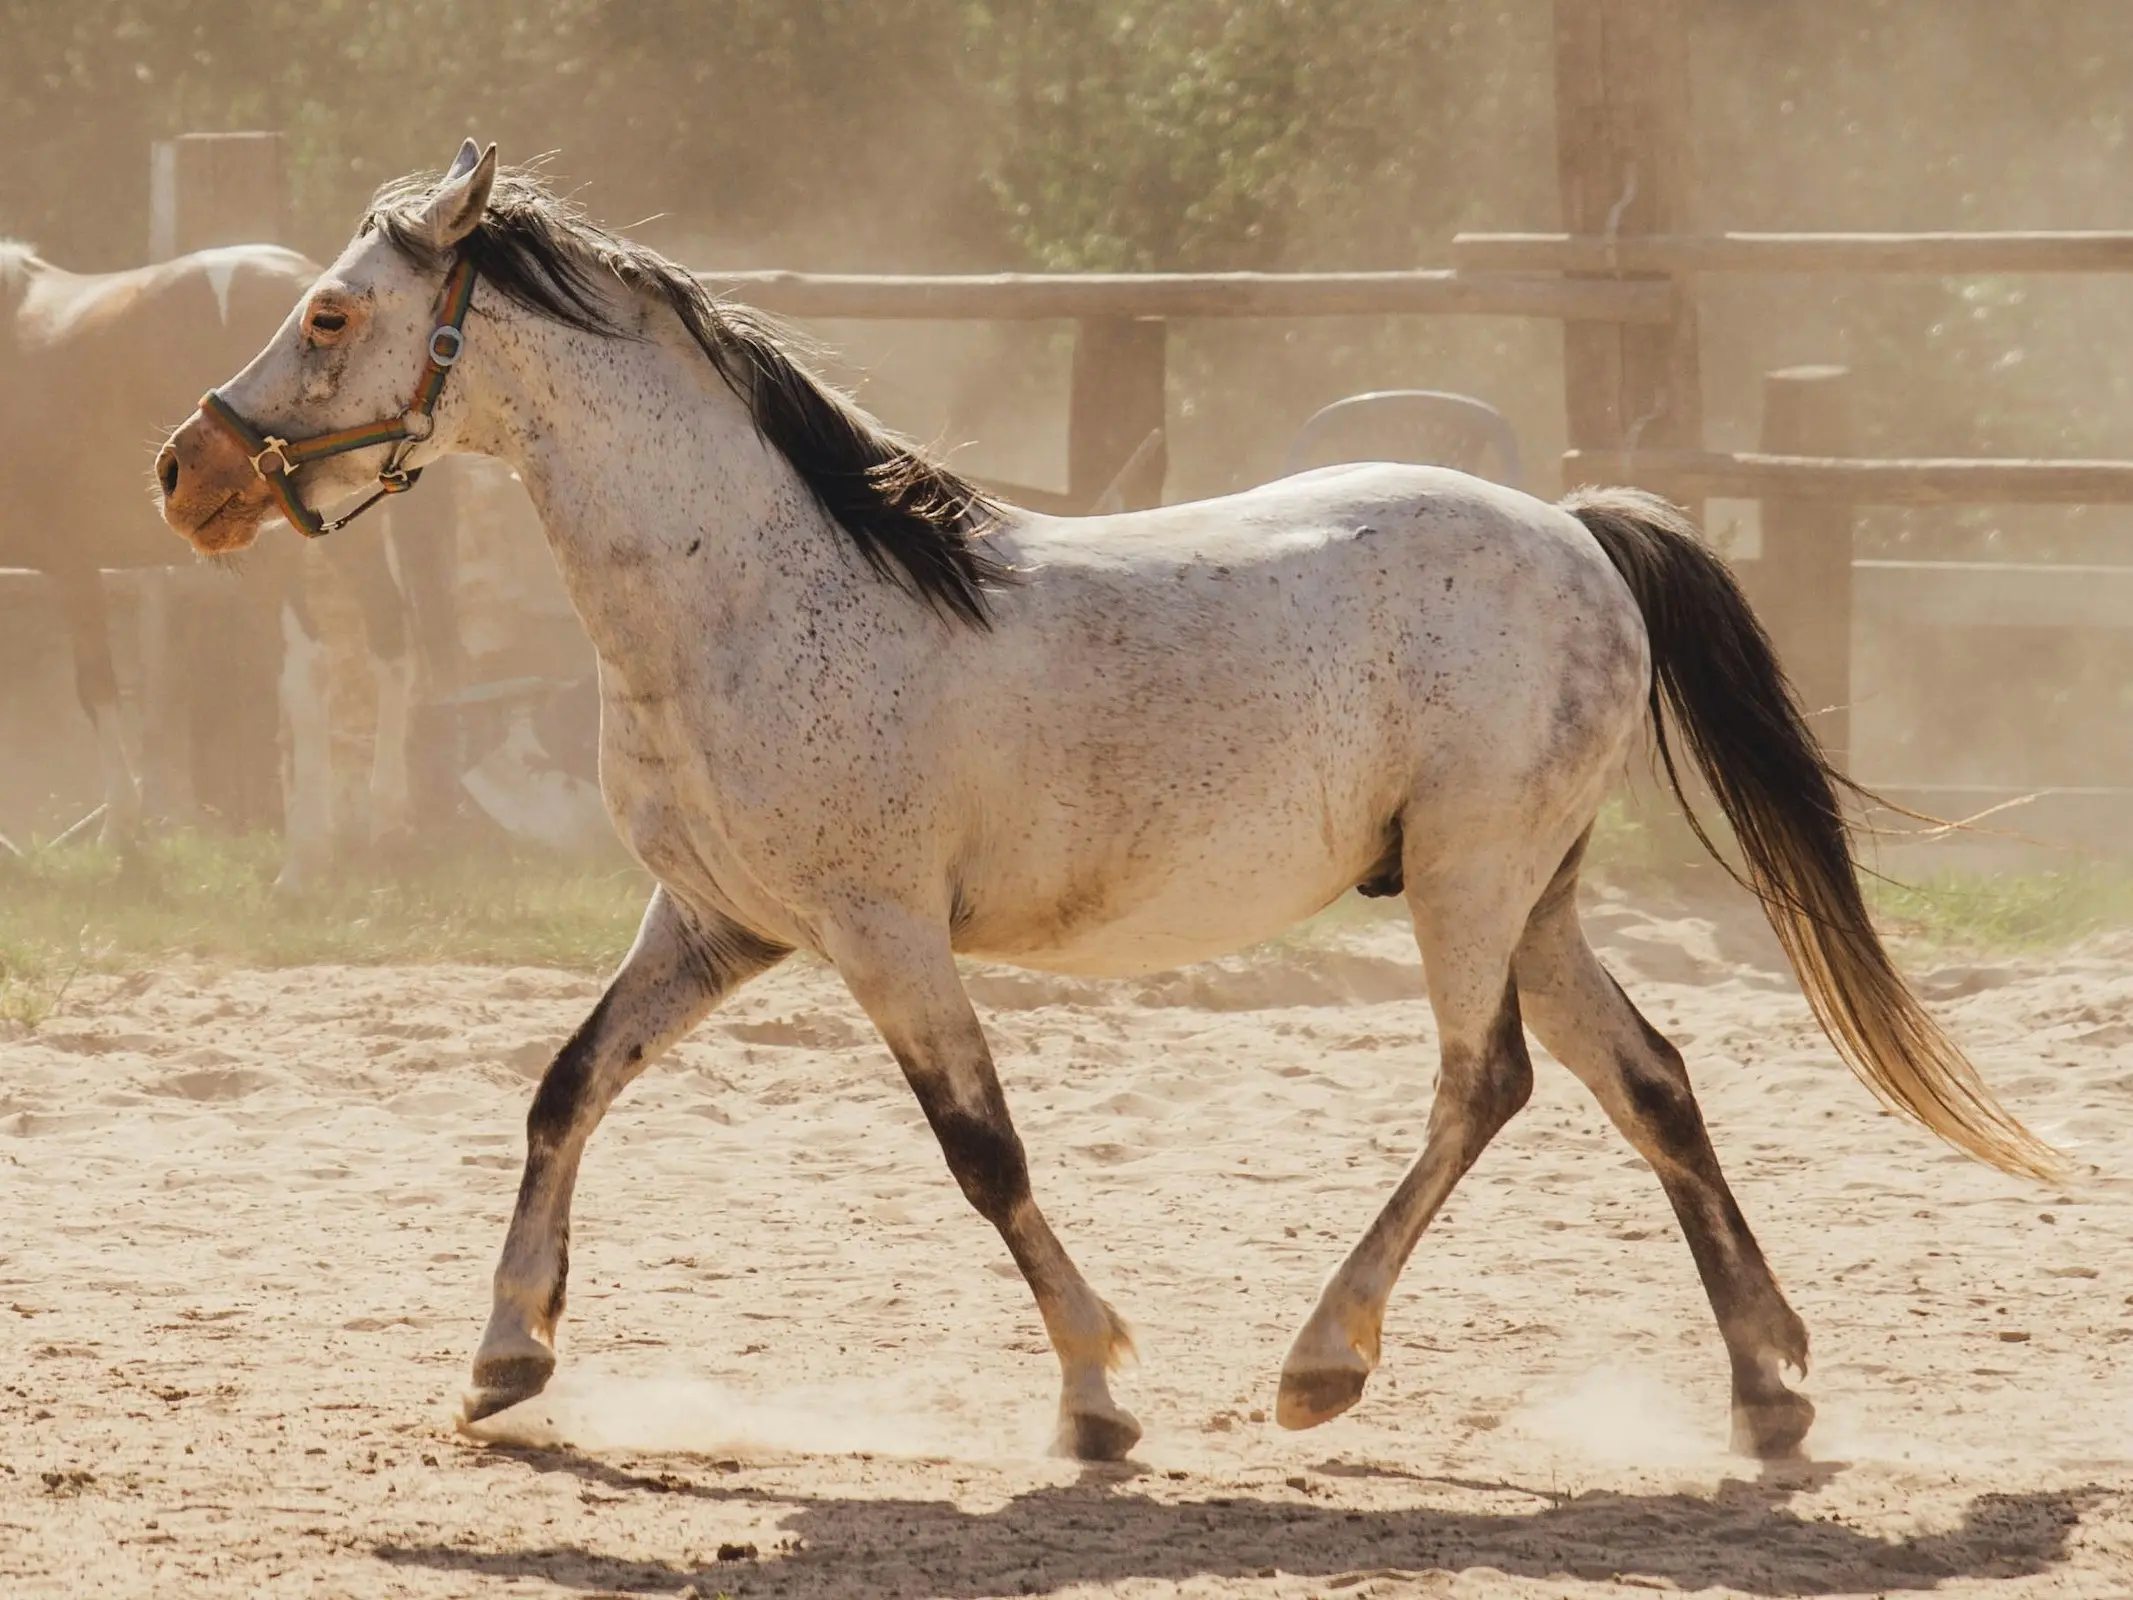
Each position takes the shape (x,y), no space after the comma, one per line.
(1121,340)
(1622,280)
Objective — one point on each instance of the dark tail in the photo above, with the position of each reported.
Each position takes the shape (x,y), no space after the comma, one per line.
(1715,674)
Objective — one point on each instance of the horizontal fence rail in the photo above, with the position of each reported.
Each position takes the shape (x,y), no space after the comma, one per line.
(1749,475)
(1030,297)
(1932,254)
(1993,594)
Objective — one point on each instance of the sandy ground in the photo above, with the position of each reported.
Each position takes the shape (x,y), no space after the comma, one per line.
(250,1216)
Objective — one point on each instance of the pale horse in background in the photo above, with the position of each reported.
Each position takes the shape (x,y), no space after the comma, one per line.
(94,365)
(850,706)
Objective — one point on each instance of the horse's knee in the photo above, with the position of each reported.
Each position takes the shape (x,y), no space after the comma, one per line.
(1499,1075)
(985,1154)
(1653,1082)
(1656,1090)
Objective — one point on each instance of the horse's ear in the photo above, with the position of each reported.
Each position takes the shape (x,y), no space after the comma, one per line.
(455,209)
(463,163)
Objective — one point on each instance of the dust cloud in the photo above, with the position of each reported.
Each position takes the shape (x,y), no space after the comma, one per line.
(595,1409)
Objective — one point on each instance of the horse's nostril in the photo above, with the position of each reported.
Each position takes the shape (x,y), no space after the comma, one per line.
(167,470)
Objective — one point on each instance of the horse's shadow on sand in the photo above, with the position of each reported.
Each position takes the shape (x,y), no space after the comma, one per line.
(1102,1530)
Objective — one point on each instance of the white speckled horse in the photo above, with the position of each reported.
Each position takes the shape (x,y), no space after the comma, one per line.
(851,706)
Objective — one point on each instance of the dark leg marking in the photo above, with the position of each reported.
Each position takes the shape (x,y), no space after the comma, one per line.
(987,1159)
(562,1089)
(950,1070)
(1505,1082)
(1639,1078)
(673,975)
(1757,1324)
(1478,1092)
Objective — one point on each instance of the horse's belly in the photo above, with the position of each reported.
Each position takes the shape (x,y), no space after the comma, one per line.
(1142,942)
(1201,906)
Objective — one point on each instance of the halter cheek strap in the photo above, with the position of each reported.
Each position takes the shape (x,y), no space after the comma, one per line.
(276,459)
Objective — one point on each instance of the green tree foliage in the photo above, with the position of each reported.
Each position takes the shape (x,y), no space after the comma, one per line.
(1169,134)
(1068,133)
(1139,135)
(745,115)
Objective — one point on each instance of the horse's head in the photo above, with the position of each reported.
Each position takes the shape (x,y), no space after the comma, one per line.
(348,389)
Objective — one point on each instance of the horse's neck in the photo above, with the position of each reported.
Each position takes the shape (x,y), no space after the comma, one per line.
(662,504)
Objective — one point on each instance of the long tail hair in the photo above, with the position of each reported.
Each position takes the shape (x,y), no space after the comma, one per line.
(1716,677)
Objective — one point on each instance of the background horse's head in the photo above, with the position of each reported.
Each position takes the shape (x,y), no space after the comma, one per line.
(349,355)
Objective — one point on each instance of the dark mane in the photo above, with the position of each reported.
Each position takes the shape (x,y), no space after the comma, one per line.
(912,520)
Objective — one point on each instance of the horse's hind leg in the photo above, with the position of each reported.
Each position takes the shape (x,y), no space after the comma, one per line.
(1581,1014)
(676,971)
(902,971)
(1467,923)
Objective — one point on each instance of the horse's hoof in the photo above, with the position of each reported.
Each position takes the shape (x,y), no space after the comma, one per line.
(1096,1435)
(502,1383)
(1772,1429)
(1318,1394)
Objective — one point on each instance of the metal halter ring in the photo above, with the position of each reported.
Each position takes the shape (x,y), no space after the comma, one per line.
(279,449)
(450,354)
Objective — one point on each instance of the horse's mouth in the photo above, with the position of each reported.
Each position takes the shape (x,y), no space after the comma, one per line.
(227,528)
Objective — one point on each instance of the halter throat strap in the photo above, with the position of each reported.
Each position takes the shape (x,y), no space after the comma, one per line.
(276,459)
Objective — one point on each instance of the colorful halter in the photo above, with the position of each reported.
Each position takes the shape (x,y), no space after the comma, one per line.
(276,460)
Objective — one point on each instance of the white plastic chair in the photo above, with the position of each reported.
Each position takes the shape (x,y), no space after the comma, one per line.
(1428,426)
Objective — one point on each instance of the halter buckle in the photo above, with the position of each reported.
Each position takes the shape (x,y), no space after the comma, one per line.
(449,355)
(398,480)
(277,448)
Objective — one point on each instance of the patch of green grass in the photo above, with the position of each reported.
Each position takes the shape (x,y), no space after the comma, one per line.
(30,992)
(1971,912)
(195,895)
(1639,844)
(66,912)
(2005,911)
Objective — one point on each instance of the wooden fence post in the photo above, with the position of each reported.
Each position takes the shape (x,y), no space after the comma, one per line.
(212,720)
(207,189)
(1623,167)
(1804,587)
(1623,163)
(1117,401)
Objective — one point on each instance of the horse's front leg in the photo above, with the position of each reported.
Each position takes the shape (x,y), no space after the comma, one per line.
(901,970)
(678,969)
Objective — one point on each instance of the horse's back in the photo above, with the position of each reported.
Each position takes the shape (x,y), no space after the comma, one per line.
(1436,589)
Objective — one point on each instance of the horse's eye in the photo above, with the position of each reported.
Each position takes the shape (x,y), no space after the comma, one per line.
(328,322)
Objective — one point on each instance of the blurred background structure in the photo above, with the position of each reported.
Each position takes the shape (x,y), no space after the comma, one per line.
(1286,136)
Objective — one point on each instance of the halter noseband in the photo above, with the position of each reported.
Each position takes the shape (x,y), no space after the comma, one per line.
(276,460)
